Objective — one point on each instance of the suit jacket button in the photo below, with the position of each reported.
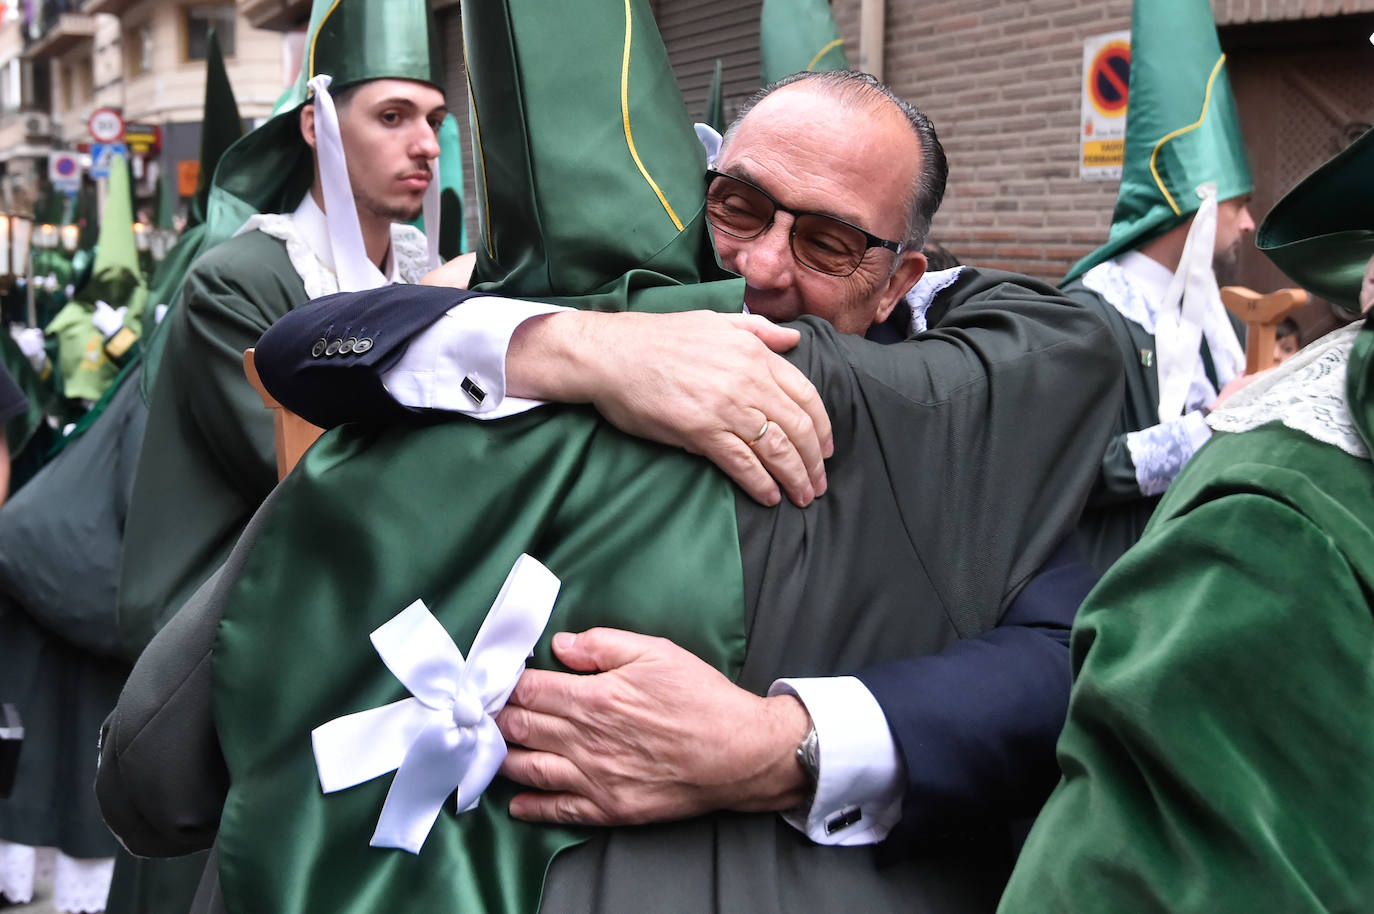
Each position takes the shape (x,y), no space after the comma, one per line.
(348,345)
(318,349)
(333,347)
(363,345)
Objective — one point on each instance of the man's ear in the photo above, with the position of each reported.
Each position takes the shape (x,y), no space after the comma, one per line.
(308,123)
(911,268)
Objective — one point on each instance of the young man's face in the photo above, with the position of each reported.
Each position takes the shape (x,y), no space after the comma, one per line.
(810,153)
(390,130)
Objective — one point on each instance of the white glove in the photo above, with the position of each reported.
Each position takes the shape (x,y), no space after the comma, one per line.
(108,320)
(159,313)
(30,341)
(50,283)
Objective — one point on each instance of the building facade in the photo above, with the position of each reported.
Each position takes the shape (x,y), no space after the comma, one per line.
(1002,80)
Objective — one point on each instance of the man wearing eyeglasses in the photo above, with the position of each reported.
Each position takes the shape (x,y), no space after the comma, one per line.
(959,737)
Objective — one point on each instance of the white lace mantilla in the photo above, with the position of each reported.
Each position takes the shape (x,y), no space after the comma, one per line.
(923,294)
(408,250)
(1306,393)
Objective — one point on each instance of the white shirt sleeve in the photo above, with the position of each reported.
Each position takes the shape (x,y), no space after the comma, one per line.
(459,363)
(859,792)
(1160,451)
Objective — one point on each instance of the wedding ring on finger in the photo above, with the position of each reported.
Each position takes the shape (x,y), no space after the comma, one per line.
(763,431)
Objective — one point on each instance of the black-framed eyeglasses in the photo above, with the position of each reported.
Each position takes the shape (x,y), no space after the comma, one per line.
(823,243)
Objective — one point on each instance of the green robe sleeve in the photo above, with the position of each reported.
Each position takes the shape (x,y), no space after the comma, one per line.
(208,457)
(1217,747)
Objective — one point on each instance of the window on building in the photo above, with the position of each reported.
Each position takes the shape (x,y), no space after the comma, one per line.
(199,21)
(138,50)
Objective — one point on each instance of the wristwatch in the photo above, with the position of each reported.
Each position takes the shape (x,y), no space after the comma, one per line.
(809,757)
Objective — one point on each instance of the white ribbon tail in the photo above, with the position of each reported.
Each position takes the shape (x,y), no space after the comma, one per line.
(1178,331)
(359,747)
(509,632)
(418,650)
(355,271)
(442,759)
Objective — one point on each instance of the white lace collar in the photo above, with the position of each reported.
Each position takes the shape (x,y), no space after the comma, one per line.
(923,294)
(1306,393)
(1133,284)
(306,235)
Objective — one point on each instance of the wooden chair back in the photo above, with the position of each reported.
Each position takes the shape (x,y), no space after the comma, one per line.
(1262,314)
(293,434)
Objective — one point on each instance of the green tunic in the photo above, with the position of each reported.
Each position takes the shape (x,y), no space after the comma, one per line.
(1218,751)
(1118,511)
(208,458)
(913,547)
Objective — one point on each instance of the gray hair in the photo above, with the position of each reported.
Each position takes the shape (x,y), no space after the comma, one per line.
(852,86)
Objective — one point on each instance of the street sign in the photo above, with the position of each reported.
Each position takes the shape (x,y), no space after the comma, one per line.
(101,156)
(1106,94)
(64,171)
(143,138)
(106,125)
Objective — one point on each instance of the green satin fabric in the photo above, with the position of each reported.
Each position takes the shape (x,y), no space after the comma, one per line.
(642,537)
(1183,128)
(797,35)
(563,207)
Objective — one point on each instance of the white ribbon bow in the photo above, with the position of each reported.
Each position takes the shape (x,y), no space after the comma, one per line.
(444,737)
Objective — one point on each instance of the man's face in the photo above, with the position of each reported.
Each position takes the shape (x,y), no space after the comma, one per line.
(812,154)
(1234,225)
(390,133)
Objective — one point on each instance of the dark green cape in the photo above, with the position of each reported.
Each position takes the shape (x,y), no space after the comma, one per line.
(1217,751)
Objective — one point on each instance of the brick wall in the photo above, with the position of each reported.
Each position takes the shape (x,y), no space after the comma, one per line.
(1001,82)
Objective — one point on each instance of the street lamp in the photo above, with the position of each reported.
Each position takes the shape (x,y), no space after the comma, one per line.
(71,234)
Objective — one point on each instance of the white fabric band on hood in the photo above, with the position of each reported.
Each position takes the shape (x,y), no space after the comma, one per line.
(355,269)
(1191,309)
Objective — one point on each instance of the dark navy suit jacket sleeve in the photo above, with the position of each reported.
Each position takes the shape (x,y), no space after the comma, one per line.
(976,724)
(304,363)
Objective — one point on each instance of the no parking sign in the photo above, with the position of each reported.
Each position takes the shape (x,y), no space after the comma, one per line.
(1106,93)
(64,171)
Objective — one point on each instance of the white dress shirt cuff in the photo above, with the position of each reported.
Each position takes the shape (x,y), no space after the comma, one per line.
(1160,451)
(458,364)
(859,792)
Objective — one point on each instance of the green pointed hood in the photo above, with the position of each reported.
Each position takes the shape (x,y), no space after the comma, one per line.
(1322,232)
(353,41)
(220,124)
(574,195)
(797,35)
(116,270)
(1182,129)
(714,114)
(453,232)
